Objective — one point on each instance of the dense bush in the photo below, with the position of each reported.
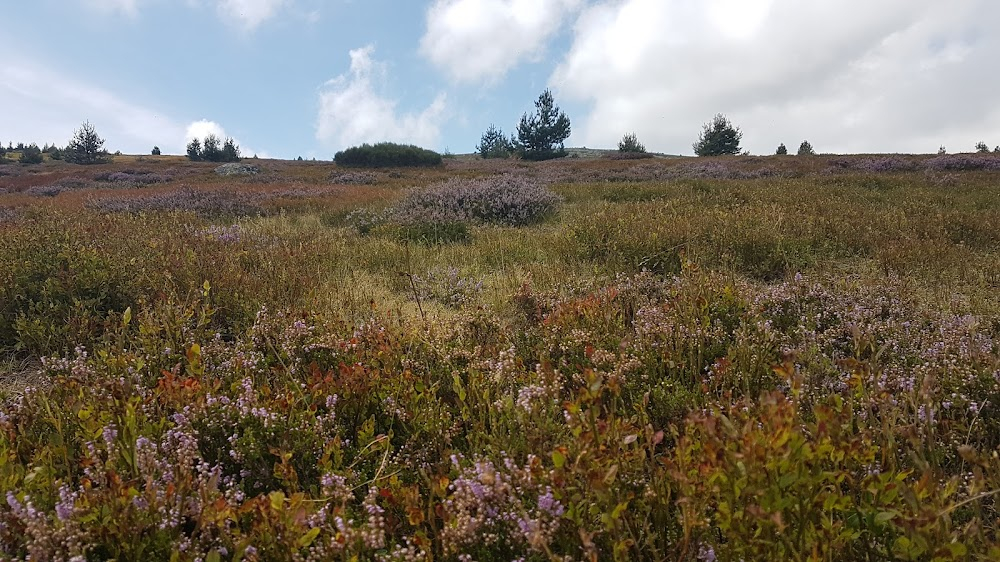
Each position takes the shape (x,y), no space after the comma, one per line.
(806,149)
(31,154)
(782,150)
(385,155)
(156,151)
(504,200)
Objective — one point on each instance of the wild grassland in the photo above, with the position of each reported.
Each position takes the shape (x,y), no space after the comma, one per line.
(736,359)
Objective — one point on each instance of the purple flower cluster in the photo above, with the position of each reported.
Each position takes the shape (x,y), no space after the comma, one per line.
(963,162)
(132,178)
(507,200)
(207,203)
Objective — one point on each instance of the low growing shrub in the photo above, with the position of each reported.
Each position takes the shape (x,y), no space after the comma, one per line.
(202,202)
(386,154)
(503,200)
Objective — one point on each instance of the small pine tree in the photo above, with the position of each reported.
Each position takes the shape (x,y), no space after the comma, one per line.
(230,151)
(31,154)
(541,136)
(782,150)
(630,143)
(718,137)
(806,149)
(211,149)
(156,151)
(494,144)
(86,147)
(194,150)
(981,147)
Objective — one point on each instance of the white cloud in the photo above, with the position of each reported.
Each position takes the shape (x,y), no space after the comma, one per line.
(51,106)
(249,13)
(848,75)
(352,110)
(483,39)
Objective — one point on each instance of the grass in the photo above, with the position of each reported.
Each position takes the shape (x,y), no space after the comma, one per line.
(732,359)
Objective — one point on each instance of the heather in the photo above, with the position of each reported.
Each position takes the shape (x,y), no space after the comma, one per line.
(724,359)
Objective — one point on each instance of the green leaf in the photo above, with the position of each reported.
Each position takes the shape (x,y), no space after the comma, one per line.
(558,458)
(213,556)
(127,316)
(308,538)
(885,516)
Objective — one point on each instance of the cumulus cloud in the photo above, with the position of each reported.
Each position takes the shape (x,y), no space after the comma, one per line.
(352,110)
(483,39)
(51,106)
(848,75)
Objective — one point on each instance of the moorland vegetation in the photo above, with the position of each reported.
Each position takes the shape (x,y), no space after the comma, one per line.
(724,358)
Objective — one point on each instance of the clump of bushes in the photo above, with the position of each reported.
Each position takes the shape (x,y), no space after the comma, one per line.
(386,154)
(31,154)
(505,200)
(213,150)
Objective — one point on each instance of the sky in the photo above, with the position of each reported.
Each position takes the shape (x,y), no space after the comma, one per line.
(288,78)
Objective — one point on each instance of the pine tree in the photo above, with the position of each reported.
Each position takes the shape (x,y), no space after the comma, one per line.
(718,137)
(156,151)
(781,150)
(194,150)
(982,147)
(86,147)
(630,143)
(230,151)
(541,136)
(494,144)
(806,149)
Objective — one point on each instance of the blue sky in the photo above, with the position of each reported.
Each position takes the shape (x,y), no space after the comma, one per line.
(309,77)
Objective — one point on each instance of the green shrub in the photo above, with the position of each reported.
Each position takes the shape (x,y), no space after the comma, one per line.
(630,143)
(385,155)
(31,155)
(494,144)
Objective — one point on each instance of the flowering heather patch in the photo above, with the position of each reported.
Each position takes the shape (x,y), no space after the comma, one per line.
(874,164)
(962,162)
(44,190)
(504,200)
(208,203)
(132,178)
(353,178)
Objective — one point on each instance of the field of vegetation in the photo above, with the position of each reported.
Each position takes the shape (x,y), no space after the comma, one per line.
(732,359)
